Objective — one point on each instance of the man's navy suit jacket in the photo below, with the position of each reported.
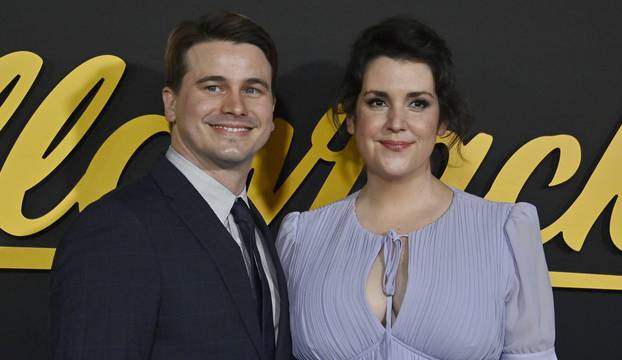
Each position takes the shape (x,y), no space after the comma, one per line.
(149,272)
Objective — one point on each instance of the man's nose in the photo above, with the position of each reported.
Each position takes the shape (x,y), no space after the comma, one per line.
(234,104)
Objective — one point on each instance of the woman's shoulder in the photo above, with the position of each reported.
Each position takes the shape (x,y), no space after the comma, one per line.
(323,214)
(297,228)
(490,209)
(475,201)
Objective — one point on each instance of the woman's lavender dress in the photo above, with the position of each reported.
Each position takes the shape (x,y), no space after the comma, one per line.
(478,286)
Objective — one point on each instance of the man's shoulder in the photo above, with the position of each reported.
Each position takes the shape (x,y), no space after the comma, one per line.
(140,194)
(141,201)
(117,221)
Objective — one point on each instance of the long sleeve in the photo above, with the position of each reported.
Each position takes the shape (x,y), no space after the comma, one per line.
(530,318)
(105,287)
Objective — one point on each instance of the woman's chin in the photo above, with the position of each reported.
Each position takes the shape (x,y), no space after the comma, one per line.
(399,173)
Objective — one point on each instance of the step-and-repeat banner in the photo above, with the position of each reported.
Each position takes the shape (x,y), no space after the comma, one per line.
(80,114)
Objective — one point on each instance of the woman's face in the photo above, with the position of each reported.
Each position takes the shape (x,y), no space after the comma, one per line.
(396,120)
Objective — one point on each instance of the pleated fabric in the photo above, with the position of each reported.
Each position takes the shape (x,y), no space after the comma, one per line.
(478,286)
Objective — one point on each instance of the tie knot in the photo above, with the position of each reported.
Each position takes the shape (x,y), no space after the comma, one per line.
(241,212)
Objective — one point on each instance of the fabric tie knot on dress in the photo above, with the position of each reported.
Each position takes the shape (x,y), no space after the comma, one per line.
(392,253)
(392,244)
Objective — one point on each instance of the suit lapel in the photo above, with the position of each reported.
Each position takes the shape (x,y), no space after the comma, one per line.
(192,209)
(283,346)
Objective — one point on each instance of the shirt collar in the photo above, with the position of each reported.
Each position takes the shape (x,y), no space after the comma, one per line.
(217,196)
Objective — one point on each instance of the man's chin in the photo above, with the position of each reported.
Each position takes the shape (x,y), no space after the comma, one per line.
(233,161)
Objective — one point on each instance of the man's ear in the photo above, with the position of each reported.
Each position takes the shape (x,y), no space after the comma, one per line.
(169,99)
(350,126)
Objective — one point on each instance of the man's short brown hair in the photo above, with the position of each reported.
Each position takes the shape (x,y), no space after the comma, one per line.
(217,25)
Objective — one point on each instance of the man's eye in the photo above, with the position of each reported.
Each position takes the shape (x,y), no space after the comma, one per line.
(212,88)
(419,104)
(376,103)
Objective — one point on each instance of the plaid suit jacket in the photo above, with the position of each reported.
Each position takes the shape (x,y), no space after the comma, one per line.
(149,272)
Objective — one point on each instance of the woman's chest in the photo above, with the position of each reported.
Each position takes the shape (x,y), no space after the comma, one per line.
(447,301)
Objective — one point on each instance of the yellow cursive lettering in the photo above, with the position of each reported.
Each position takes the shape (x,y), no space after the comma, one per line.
(514,174)
(603,186)
(340,180)
(26,165)
(25,66)
(30,161)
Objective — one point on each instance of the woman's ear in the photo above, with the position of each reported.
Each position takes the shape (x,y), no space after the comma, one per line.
(350,124)
(442,128)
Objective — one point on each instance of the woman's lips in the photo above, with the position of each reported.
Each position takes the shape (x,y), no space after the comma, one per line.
(394,145)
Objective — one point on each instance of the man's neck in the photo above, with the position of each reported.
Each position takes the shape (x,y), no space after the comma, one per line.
(233,178)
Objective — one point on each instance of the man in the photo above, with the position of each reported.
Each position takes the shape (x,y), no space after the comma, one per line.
(177,266)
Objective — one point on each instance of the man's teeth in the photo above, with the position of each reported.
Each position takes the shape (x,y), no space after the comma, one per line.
(230,129)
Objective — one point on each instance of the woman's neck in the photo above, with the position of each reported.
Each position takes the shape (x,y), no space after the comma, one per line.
(404,205)
(394,192)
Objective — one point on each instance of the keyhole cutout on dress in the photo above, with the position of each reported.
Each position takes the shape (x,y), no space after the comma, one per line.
(376,298)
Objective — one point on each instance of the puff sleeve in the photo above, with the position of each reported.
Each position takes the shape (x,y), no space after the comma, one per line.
(285,242)
(530,318)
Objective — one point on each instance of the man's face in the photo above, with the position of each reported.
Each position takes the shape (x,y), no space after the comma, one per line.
(222,113)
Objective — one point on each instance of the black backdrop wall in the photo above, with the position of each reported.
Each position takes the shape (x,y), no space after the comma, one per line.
(529,69)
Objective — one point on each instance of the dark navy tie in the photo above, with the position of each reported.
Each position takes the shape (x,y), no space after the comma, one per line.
(246,224)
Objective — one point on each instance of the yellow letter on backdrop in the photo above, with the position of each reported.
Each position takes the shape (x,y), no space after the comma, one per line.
(26,165)
(604,186)
(514,174)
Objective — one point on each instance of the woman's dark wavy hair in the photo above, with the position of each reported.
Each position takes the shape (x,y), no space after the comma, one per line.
(404,38)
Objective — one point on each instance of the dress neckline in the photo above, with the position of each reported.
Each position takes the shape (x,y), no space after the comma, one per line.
(381,328)
(359,226)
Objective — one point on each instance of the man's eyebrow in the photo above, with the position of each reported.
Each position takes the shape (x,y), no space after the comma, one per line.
(216,78)
(253,81)
(220,78)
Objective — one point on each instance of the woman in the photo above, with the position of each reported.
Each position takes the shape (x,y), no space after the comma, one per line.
(409,268)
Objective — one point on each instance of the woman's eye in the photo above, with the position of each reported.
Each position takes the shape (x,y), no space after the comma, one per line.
(375,103)
(419,104)
(252,91)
